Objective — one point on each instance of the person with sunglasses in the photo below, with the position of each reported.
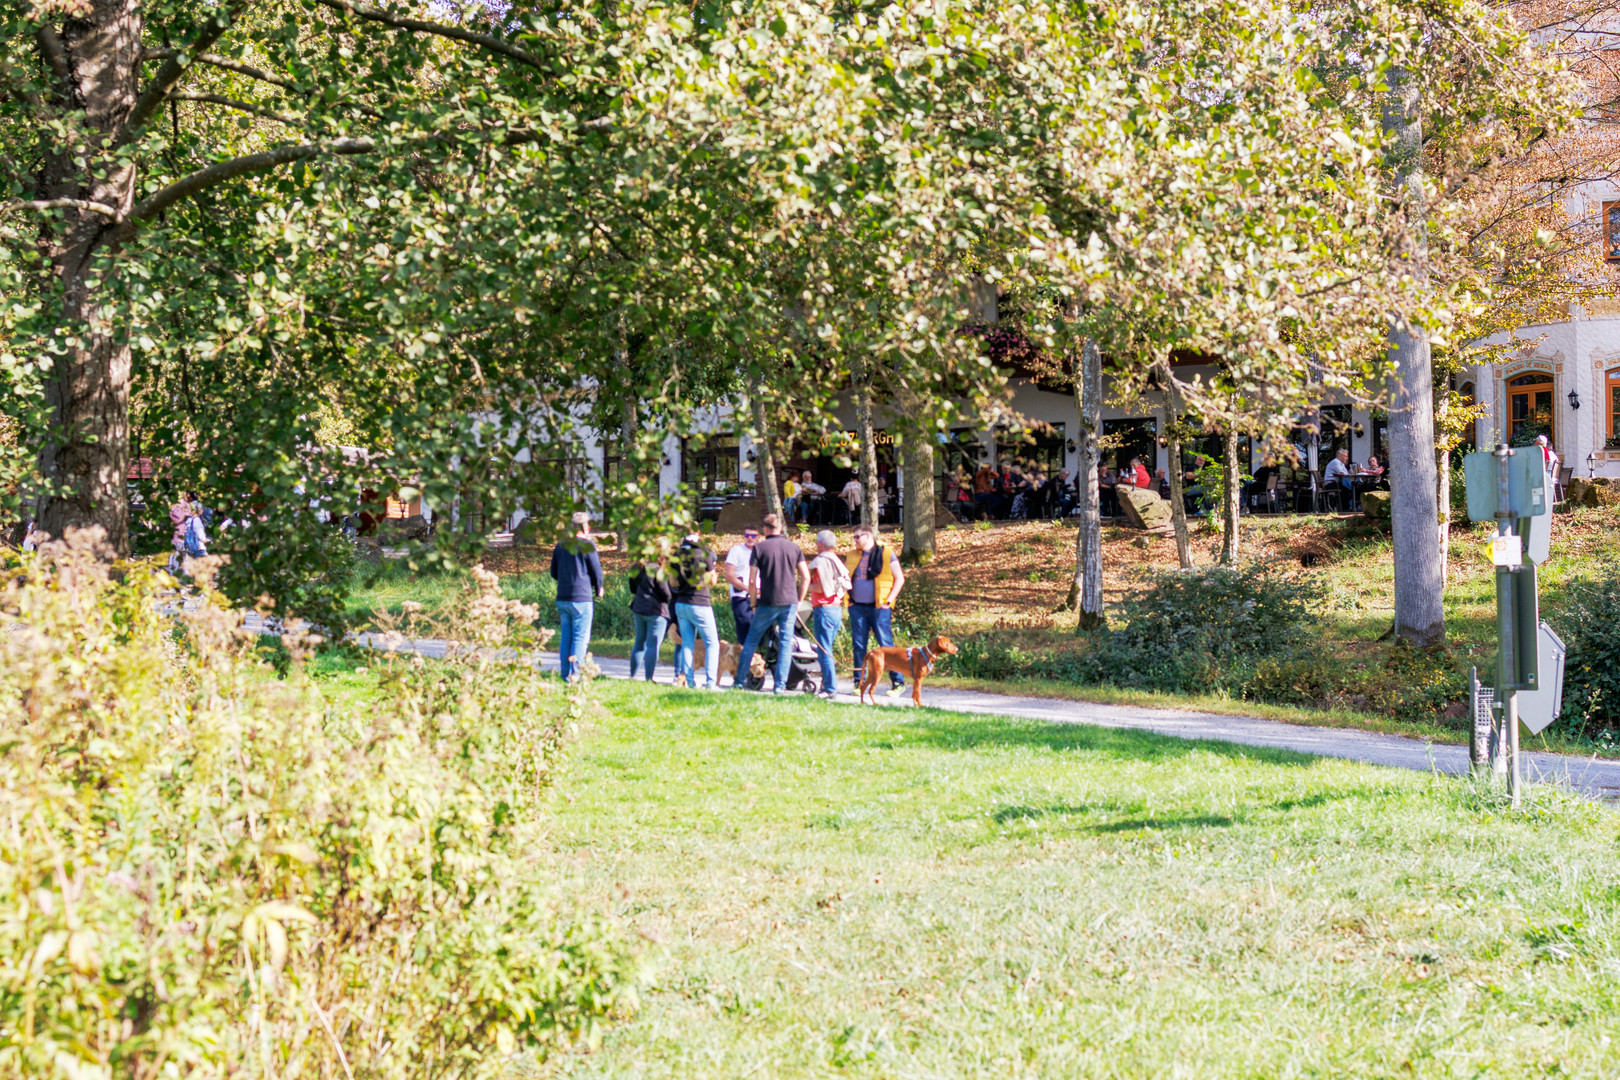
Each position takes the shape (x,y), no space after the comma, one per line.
(736,568)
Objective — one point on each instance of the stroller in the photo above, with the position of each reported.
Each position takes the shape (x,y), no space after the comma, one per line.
(804,673)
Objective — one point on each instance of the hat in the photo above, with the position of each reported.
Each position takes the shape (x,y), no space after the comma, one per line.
(1542,439)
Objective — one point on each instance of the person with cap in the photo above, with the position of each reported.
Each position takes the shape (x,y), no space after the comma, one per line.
(694,612)
(577,569)
(829,584)
(735,571)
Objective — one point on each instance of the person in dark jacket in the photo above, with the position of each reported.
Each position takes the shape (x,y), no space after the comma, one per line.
(694,612)
(577,570)
(650,607)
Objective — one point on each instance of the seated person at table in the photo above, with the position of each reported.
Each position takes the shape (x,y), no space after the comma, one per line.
(1107,500)
(1161,482)
(984,490)
(810,495)
(1372,468)
(790,498)
(1338,472)
(1139,474)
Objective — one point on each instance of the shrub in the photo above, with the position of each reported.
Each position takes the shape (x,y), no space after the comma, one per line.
(1209,628)
(920,610)
(206,870)
(1591,630)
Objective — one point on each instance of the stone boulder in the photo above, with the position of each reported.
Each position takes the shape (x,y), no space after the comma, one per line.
(527,534)
(1144,508)
(1597,491)
(1375,504)
(392,532)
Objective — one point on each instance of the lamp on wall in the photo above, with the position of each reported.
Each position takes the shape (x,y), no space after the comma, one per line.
(1361,432)
(1163,441)
(1574,399)
(750,457)
(1070,445)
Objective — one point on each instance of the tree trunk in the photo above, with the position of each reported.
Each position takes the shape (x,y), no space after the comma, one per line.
(765,462)
(85,461)
(1085,591)
(918,545)
(868,459)
(1178,491)
(1420,617)
(1231,501)
(628,426)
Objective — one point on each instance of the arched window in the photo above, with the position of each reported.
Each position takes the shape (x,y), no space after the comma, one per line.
(1530,407)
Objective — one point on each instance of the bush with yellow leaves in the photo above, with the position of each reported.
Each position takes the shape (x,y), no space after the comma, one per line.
(206,870)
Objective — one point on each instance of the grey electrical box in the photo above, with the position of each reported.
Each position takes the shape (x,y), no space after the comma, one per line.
(1540,706)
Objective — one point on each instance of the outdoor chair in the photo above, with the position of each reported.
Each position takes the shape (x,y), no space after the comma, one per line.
(1561,483)
(1327,496)
(1268,497)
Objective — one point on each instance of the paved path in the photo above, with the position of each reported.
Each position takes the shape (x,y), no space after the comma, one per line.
(1592,776)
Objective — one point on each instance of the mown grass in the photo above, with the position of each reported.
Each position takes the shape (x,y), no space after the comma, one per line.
(860,892)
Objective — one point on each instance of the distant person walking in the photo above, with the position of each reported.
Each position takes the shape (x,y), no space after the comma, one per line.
(778,581)
(694,612)
(829,584)
(649,607)
(735,570)
(577,569)
(179,515)
(875,583)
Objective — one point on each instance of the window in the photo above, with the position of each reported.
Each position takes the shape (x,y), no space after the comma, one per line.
(1530,408)
(1040,446)
(1128,438)
(1613,400)
(707,463)
(957,452)
(1611,232)
(1336,434)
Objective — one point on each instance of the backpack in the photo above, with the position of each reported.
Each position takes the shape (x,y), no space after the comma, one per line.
(196,540)
(841,579)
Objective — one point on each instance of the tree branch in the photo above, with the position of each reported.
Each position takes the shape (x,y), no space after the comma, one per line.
(62,204)
(232,103)
(400,22)
(225,62)
(174,69)
(219,172)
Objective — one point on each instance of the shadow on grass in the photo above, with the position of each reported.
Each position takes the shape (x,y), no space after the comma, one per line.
(956,731)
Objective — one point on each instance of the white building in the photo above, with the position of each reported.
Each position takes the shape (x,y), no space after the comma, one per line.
(1566,377)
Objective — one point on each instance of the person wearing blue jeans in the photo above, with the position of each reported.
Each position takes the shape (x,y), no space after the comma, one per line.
(577,569)
(652,589)
(875,583)
(829,584)
(778,580)
(694,612)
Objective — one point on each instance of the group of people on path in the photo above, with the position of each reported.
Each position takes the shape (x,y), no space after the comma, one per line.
(768,577)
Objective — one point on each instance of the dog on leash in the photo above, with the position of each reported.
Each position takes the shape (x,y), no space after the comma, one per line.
(913,661)
(729,655)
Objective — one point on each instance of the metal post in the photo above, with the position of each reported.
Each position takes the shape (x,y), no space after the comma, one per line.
(1513,741)
(1506,676)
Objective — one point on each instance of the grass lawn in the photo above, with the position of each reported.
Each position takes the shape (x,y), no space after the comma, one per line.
(834,890)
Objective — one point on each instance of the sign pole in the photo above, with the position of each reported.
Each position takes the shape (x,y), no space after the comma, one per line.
(1506,676)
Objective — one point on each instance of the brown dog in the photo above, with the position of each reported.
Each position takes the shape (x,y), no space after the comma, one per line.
(729,655)
(913,662)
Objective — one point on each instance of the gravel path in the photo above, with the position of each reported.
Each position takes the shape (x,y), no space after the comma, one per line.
(1597,777)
